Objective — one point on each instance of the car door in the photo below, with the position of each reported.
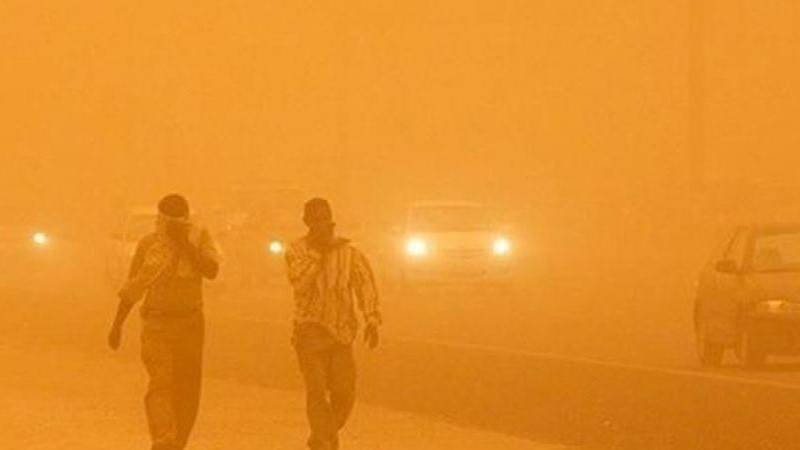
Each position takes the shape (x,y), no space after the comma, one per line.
(724,291)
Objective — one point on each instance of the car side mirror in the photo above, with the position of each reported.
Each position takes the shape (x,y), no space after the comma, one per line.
(727,266)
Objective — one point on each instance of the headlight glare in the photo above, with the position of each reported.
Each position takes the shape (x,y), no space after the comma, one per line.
(276,247)
(772,306)
(40,239)
(501,246)
(417,247)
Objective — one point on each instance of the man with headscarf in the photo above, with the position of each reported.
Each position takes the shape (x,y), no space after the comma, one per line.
(330,280)
(167,271)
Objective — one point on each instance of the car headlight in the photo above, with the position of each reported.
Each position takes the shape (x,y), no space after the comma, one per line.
(276,247)
(417,247)
(501,247)
(772,306)
(40,239)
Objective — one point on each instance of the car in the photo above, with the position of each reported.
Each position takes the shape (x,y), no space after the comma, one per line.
(454,242)
(748,296)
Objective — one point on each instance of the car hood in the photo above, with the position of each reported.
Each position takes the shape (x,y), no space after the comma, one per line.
(776,285)
(458,240)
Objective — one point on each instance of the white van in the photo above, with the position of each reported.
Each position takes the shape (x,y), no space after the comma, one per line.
(455,242)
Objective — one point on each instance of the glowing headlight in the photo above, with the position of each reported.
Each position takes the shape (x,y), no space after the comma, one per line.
(417,247)
(275,247)
(40,239)
(772,306)
(501,247)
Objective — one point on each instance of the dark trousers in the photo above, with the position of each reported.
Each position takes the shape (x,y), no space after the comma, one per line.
(329,372)
(172,351)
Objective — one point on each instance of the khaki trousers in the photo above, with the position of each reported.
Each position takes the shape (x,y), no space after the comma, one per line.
(172,352)
(329,372)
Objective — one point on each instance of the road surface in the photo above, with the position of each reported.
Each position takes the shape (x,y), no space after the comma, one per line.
(59,390)
(588,322)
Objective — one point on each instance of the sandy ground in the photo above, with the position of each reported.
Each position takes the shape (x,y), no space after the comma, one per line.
(57,400)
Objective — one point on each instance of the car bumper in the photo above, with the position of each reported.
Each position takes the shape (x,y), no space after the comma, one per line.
(445,272)
(777,333)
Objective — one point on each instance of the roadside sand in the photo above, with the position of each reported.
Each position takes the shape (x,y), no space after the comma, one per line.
(69,401)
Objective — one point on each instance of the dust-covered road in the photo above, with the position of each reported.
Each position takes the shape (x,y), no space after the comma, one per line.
(551,337)
(63,400)
(64,390)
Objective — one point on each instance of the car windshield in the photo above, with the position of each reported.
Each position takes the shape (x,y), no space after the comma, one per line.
(449,218)
(777,252)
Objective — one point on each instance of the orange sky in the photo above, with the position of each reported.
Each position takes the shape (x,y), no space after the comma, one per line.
(546,100)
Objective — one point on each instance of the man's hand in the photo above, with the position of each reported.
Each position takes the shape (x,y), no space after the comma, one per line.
(179,233)
(371,336)
(115,337)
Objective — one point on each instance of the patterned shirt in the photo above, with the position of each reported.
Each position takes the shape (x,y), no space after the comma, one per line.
(170,284)
(327,289)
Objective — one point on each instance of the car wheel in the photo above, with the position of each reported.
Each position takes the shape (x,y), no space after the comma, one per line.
(750,353)
(710,353)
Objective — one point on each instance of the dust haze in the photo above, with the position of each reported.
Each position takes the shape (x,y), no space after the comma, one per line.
(611,148)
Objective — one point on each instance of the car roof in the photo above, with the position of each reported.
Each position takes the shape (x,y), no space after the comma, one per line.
(446,204)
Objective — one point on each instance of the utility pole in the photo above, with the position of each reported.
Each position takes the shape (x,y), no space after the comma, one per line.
(346,163)
(697,157)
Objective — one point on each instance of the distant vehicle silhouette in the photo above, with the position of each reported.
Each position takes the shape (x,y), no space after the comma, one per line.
(454,242)
(748,296)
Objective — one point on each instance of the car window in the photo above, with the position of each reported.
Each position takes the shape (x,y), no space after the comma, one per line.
(777,252)
(449,218)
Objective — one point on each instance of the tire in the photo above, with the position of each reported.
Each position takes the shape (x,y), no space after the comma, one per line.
(750,353)
(709,353)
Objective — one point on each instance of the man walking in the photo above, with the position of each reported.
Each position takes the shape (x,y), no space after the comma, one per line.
(330,279)
(167,270)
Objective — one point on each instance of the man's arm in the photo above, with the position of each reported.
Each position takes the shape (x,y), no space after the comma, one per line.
(303,265)
(115,335)
(203,256)
(367,292)
(148,264)
(124,306)
(366,289)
